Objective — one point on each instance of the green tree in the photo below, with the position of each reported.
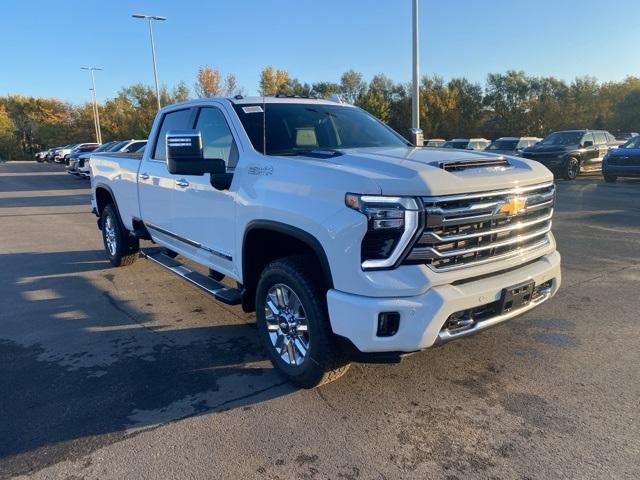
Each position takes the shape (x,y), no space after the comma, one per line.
(351,86)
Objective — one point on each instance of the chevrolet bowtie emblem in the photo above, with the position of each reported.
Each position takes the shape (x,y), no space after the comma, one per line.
(512,206)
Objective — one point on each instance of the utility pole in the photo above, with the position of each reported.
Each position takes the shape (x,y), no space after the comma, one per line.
(149,19)
(415,132)
(96,111)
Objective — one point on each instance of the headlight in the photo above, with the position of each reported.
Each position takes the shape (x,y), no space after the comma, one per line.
(392,223)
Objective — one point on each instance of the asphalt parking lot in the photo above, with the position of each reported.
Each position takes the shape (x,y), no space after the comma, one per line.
(131,373)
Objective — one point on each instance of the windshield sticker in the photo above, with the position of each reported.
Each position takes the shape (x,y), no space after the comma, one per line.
(253,109)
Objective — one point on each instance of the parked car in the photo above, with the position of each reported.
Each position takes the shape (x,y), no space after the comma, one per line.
(75,158)
(570,152)
(625,136)
(467,143)
(511,145)
(62,152)
(124,146)
(623,161)
(345,245)
(52,152)
(40,156)
(435,142)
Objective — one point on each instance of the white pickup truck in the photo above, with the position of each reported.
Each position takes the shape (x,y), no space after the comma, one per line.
(348,243)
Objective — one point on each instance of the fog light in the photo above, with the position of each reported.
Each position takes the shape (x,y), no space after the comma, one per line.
(388,324)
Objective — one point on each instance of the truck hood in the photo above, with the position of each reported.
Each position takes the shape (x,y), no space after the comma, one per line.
(417,171)
(551,148)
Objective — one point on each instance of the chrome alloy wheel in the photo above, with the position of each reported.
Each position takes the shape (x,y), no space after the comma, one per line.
(287,324)
(110,234)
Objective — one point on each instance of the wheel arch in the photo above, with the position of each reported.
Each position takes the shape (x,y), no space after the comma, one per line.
(276,240)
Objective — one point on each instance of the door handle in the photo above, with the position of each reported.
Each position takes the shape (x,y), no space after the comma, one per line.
(182,183)
(144,176)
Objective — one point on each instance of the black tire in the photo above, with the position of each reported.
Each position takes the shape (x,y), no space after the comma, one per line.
(610,178)
(324,360)
(122,249)
(571,169)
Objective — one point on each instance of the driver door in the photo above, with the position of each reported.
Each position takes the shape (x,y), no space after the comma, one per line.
(201,213)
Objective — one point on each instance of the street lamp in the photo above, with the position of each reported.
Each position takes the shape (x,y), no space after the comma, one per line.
(415,131)
(96,112)
(149,19)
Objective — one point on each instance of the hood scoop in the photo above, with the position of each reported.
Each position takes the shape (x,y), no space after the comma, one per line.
(476,163)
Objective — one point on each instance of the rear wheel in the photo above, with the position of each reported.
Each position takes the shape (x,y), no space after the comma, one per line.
(294,324)
(571,168)
(610,178)
(122,249)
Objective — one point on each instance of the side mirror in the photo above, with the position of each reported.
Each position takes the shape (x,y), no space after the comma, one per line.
(587,144)
(185,156)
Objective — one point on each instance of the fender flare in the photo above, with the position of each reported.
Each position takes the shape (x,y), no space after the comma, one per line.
(297,233)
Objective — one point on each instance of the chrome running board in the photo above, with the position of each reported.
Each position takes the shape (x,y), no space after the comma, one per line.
(221,292)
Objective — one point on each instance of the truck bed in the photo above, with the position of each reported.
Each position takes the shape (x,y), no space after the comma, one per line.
(119,171)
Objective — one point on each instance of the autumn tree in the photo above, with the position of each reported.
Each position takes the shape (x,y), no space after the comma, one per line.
(8,142)
(273,81)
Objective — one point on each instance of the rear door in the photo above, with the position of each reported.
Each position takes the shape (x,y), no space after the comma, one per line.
(156,185)
(201,213)
(589,152)
(601,150)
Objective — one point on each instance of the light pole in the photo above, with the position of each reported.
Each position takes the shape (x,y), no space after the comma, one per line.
(96,112)
(93,109)
(149,19)
(415,131)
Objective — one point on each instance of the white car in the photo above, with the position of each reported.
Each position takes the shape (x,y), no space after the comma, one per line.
(124,146)
(467,143)
(346,242)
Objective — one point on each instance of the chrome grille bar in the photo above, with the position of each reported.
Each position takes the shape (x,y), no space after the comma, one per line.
(430,252)
(473,229)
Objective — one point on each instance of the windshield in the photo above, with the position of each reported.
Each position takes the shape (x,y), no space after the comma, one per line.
(460,144)
(104,146)
(633,143)
(295,128)
(118,146)
(503,145)
(563,138)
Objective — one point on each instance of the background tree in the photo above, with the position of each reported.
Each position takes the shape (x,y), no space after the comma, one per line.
(351,86)
(209,83)
(8,142)
(273,81)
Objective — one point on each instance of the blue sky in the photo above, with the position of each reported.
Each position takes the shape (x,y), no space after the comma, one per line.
(46,41)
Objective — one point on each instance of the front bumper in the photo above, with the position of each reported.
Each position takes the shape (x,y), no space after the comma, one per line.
(422,317)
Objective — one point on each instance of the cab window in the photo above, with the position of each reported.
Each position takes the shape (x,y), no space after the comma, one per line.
(587,138)
(176,120)
(217,141)
(600,138)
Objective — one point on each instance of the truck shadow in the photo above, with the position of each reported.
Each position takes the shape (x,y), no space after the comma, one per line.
(80,369)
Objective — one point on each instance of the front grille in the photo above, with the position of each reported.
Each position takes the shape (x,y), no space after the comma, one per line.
(466,230)
(624,161)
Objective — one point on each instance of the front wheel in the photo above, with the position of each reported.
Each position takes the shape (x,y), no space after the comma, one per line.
(610,178)
(122,249)
(294,325)
(571,169)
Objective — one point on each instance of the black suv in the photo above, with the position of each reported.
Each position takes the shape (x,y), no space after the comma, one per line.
(570,152)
